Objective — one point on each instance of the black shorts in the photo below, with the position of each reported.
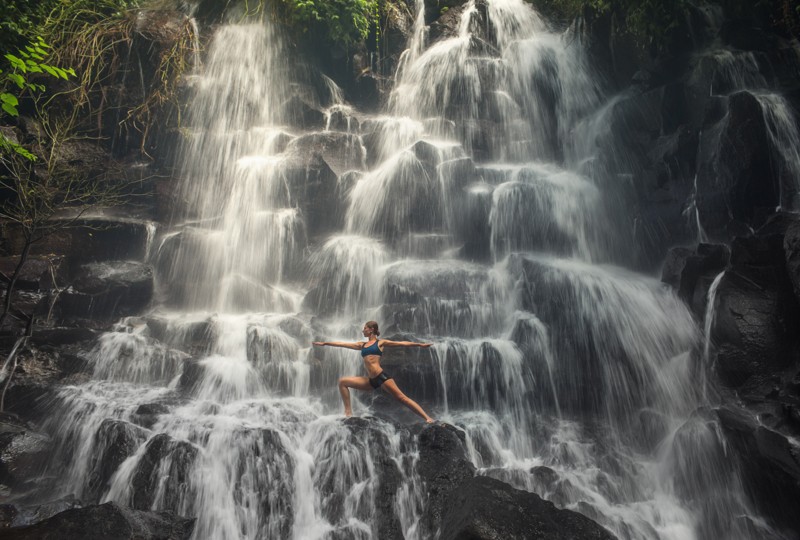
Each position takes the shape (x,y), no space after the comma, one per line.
(379,379)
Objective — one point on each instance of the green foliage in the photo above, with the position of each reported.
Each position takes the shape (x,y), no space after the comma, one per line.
(26,64)
(99,39)
(344,21)
(19,20)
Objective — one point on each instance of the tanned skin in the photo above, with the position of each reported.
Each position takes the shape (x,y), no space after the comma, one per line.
(373,365)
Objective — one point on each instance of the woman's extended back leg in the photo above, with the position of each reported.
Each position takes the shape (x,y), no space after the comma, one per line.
(391,387)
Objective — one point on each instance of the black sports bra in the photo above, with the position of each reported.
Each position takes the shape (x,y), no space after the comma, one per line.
(372,350)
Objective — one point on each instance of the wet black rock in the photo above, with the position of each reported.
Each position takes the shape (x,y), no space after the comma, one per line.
(29,397)
(163,457)
(188,336)
(408,284)
(733,179)
(38,273)
(757,315)
(7,514)
(747,328)
(672,270)
(434,9)
(770,464)
(544,477)
(106,521)
(108,290)
(266,462)
(371,440)
(342,152)
(485,508)
(116,441)
(312,185)
(29,514)
(340,120)
(89,239)
(443,465)
(303,115)
(146,415)
(691,272)
(191,376)
(61,336)
(369,91)
(463,505)
(791,249)
(23,454)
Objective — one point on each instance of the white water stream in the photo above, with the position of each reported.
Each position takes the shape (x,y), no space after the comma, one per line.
(570,378)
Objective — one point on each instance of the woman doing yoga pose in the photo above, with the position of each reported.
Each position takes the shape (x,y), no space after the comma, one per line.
(371,352)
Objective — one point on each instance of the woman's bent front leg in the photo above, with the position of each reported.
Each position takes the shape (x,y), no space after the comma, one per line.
(345,383)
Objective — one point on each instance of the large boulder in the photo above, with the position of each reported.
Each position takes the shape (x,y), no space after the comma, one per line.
(108,290)
(443,465)
(756,318)
(265,461)
(342,152)
(791,249)
(437,297)
(23,454)
(163,455)
(101,236)
(104,522)
(733,180)
(369,437)
(302,114)
(464,506)
(312,187)
(483,508)
(770,466)
(40,272)
(115,441)
(692,272)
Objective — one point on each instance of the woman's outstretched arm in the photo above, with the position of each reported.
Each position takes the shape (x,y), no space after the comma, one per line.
(388,343)
(344,344)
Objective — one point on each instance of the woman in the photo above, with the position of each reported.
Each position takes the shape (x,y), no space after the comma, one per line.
(371,352)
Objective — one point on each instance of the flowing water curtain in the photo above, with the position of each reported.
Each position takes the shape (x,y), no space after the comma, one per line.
(241,229)
(785,140)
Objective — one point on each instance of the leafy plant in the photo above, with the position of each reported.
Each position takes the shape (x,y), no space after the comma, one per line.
(26,63)
(347,21)
(98,38)
(343,22)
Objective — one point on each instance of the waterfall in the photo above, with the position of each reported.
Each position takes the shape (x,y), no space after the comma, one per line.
(785,139)
(470,213)
(727,72)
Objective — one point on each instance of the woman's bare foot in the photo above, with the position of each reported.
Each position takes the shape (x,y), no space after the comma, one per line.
(429,420)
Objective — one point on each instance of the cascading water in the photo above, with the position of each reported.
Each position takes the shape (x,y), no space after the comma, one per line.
(468,215)
(726,73)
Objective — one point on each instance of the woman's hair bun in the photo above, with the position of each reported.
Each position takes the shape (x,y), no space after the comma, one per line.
(372,325)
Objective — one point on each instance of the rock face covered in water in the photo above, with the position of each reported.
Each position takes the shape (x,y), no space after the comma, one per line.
(462,505)
(751,314)
(487,508)
(707,131)
(495,208)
